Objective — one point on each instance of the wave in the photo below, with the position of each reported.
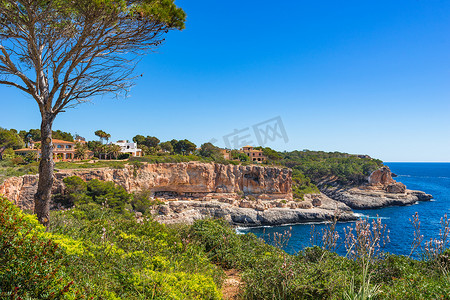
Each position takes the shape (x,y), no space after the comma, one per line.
(359,215)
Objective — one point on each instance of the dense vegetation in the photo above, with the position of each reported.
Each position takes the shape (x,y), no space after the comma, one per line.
(347,168)
(101,250)
(93,251)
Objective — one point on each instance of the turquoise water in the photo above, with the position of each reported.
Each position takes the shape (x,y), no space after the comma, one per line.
(432,178)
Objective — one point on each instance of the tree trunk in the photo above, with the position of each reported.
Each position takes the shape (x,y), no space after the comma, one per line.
(2,149)
(44,191)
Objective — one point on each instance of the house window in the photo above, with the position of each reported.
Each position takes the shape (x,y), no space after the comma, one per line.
(69,156)
(59,146)
(68,146)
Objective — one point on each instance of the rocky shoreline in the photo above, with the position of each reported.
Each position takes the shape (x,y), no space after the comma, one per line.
(380,191)
(250,213)
(363,198)
(242,195)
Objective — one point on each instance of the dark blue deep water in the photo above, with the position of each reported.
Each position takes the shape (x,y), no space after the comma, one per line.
(432,178)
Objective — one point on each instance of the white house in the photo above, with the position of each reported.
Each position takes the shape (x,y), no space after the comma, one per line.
(126,147)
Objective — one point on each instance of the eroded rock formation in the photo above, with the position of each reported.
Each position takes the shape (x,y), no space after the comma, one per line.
(175,180)
(380,191)
(253,215)
(381,177)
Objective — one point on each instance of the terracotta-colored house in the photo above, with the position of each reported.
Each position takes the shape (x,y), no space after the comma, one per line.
(62,150)
(255,155)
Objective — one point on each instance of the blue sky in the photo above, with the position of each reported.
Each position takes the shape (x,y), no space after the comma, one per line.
(368,77)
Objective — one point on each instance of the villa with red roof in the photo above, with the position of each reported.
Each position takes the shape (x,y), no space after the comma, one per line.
(62,150)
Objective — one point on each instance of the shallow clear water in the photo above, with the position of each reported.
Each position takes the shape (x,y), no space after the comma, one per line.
(432,178)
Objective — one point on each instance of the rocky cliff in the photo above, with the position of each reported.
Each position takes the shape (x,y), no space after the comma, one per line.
(381,190)
(169,180)
(244,195)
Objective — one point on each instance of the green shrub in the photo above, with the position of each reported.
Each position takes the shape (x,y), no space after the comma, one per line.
(108,193)
(101,192)
(74,185)
(302,185)
(401,277)
(123,156)
(142,201)
(270,273)
(18,160)
(31,265)
(225,247)
(8,154)
(178,286)
(128,260)
(31,157)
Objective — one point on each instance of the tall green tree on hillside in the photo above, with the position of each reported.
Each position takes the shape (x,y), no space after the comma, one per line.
(107,137)
(81,150)
(96,147)
(139,139)
(209,150)
(184,147)
(101,134)
(167,147)
(149,141)
(30,135)
(35,135)
(61,135)
(64,52)
(113,150)
(9,139)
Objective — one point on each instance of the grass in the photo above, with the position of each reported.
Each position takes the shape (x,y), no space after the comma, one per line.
(7,169)
(115,164)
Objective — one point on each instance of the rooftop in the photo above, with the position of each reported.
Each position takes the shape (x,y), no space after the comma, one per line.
(61,141)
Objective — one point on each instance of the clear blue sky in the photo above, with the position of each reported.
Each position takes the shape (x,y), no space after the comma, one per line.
(367,77)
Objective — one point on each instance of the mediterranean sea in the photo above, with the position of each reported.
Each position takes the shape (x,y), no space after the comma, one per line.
(432,178)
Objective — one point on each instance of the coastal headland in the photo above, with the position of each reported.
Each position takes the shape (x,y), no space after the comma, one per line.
(251,195)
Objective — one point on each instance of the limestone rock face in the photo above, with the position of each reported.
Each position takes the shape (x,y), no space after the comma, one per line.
(20,190)
(381,176)
(175,180)
(396,188)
